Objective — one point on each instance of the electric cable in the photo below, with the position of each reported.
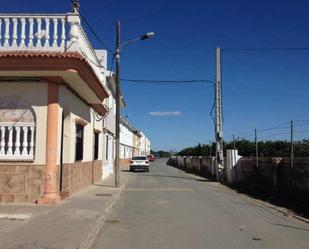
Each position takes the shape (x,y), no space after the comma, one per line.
(166,81)
(92,29)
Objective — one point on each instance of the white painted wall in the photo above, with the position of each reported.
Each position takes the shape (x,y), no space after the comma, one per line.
(74,108)
(109,154)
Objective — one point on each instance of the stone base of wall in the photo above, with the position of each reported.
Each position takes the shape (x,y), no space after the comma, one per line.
(21,183)
(79,175)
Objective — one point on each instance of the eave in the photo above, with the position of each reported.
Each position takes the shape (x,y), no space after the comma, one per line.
(70,66)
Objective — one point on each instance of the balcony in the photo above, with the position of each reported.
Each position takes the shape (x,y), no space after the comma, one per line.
(17,142)
(48,33)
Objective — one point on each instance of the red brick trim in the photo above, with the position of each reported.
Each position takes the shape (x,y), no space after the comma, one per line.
(53,61)
(100,109)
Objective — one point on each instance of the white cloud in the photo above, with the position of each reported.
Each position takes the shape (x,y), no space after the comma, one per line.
(159,113)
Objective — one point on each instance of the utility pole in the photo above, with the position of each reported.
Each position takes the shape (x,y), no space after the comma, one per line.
(256,148)
(292,152)
(210,152)
(234,145)
(219,125)
(117,156)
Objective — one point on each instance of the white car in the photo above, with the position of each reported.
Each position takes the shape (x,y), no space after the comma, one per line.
(139,163)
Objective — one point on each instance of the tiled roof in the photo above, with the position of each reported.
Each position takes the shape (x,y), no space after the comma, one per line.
(41,54)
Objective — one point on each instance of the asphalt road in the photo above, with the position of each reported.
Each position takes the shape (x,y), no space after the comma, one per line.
(169,209)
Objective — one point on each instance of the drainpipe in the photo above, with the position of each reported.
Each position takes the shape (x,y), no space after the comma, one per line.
(93,148)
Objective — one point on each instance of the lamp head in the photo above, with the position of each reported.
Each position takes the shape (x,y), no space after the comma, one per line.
(147,36)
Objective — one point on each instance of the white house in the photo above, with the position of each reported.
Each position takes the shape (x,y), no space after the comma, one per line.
(52,94)
(145,145)
(57,109)
(109,124)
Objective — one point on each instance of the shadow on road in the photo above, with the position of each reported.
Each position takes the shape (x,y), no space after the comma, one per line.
(292,227)
(172,176)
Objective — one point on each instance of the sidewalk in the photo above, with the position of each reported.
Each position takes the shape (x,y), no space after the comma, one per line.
(73,223)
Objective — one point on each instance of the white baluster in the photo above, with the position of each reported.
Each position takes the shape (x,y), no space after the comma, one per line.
(55,44)
(63,33)
(14,43)
(7,32)
(47,21)
(2,141)
(31,22)
(17,141)
(23,33)
(39,33)
(10,141)
(0,32)
(31,141)
(25,141)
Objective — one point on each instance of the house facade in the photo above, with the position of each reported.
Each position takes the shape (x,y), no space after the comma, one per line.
(52,93)
(109,126)
(57,110)
(145,145)
(126,142)
(133,142)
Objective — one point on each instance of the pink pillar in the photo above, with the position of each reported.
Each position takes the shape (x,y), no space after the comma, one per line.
(50,195)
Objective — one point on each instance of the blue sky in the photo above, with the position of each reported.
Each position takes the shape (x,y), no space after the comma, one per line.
(260,89)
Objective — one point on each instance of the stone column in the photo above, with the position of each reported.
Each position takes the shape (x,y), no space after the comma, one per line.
(50,195)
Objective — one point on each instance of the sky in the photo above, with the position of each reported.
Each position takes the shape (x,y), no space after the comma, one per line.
(260,89)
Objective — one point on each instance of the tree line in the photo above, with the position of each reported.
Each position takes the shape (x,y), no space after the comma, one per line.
(248,148)
(160,153)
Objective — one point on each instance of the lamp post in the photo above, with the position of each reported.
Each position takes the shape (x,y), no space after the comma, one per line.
(117,56)
(218,121)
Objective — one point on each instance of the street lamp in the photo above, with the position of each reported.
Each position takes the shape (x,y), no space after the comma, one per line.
(117,55)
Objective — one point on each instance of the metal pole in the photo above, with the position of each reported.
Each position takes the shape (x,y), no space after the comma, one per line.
(210,144)
(256,148)
(292,152)
(117,166)
(234,145)
(219,126)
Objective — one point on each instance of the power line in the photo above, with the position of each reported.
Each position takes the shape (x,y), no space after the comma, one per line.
(92,29)
(274,135)
(244,133)
(266,49)
(167,81)
(280,126)
(302,131)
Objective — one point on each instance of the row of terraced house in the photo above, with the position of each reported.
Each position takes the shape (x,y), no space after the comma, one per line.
(57,110)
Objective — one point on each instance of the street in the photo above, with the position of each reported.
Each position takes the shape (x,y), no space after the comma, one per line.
(167,208)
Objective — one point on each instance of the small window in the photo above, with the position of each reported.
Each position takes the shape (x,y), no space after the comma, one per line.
(96,146)
(79,142)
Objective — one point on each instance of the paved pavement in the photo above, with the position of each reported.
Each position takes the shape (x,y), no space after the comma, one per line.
(169,209)
(72,224)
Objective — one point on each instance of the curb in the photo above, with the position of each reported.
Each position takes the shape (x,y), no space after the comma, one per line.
(284,211)
(87,243)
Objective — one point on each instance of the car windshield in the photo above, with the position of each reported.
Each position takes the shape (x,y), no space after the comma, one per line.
(139,158)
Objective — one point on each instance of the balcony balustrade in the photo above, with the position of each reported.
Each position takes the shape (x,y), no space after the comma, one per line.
(47,33)
(17,142)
